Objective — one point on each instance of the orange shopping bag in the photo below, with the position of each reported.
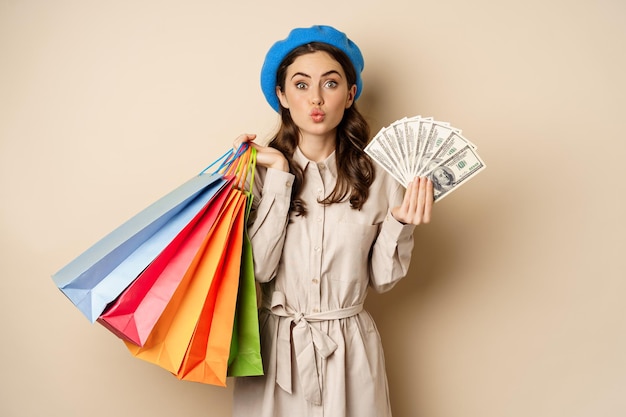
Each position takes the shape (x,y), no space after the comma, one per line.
(206,359)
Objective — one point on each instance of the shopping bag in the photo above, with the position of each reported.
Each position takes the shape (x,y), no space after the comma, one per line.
(193,335)
(206,358)
(135,312)
(102,272)
(245,352)
(167,343)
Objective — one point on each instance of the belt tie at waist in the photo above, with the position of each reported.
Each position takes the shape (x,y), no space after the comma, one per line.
(305,338)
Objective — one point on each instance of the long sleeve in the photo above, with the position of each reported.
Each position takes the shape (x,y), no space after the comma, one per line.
(391,252)
(269,217)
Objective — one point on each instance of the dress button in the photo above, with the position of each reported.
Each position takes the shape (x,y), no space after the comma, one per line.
(288,184)
(316,310)
(315,280)
(321,166)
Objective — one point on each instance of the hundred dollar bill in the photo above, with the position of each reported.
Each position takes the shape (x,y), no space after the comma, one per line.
(382,141)
(398,135)
(413,127)
(450,146)
(381,156)
(393,144)
(436,137)
(455,171)
(425,127)
(415,146)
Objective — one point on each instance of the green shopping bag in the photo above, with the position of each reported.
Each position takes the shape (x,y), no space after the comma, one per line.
(245,348)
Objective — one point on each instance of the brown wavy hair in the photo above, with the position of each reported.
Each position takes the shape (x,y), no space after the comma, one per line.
(355,170)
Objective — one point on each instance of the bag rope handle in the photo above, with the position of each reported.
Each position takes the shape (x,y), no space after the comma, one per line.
(226,160)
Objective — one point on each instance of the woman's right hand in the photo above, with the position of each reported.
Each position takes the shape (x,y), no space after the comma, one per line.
(265,156)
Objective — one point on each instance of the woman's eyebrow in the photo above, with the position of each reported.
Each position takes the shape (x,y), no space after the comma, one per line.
(326,74)
(300,74)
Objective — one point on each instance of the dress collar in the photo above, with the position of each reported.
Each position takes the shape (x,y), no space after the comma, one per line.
(329,163)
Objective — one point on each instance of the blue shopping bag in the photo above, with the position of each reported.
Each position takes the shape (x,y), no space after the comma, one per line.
(101,273)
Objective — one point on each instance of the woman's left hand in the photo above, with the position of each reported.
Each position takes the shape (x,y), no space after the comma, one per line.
(417,204)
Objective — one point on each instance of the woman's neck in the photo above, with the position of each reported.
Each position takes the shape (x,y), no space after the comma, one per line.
(317,148)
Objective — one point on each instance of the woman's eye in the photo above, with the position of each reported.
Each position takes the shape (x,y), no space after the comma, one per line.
(300,85)
(331,84)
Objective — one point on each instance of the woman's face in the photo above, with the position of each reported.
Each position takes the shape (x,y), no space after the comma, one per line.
(316,94)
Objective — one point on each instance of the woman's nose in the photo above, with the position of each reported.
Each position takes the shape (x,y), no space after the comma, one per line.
(316,96)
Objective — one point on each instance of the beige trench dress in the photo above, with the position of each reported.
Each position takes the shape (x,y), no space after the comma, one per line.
(322,353)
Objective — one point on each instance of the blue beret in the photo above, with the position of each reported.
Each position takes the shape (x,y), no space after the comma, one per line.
(302,36)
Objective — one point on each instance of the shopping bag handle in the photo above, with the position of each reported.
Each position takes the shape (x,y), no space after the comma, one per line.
(243,168)
(226,160)
(249,193)
(237,164)
(247,166)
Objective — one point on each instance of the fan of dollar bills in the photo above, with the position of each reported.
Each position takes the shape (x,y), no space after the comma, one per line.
(420,146)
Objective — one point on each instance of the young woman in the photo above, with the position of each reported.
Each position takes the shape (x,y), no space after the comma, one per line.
(327,224)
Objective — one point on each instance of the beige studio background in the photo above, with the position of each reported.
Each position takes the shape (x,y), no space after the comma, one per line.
(514,303)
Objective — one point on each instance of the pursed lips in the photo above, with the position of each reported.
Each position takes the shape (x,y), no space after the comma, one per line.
(317,115)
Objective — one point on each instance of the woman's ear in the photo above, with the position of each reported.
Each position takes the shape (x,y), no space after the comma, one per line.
(351,95)
(282,98)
